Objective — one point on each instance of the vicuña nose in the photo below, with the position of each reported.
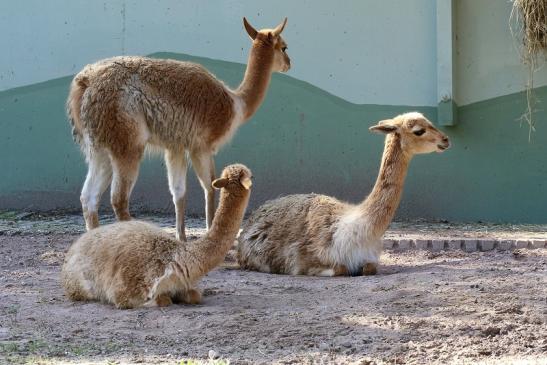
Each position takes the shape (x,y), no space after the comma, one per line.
(445,139)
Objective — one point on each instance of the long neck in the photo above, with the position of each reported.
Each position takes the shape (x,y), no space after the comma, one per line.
(380,205)
(228,216)
(219,239)
(252,89)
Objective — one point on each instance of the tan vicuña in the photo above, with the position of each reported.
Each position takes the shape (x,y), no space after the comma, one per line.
(132,264)
(311,234)
(120,105)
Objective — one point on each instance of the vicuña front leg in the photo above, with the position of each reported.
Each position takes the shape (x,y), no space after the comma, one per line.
(370,268)
(204,166)
(177,167)
(191,296)
(337,270)
(163,300)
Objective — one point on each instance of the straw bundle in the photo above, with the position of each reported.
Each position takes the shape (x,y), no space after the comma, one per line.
(529,19)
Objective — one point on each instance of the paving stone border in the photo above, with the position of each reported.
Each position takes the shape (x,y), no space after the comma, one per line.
(465,244)
(407,233)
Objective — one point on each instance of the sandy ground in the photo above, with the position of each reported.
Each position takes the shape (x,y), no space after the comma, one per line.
(422,307)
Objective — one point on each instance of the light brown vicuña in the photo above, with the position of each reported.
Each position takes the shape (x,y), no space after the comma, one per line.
(319,235)
(131,264)
(120,105)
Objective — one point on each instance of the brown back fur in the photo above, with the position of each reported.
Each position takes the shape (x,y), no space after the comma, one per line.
(124,90)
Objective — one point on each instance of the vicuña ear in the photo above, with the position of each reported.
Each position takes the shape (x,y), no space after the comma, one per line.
(277,31)
(246,182)
(249,28)
(384,126)
(220,183)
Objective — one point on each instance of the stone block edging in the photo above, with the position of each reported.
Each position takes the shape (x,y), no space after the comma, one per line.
(465,244)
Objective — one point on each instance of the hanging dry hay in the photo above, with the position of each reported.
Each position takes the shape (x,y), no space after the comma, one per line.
(529,19)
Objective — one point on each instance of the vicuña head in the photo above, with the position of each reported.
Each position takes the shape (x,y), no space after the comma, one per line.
(235,189)
(235,178)
(270,39)
(417,134)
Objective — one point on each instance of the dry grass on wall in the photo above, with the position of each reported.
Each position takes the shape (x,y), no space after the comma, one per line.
(529,25)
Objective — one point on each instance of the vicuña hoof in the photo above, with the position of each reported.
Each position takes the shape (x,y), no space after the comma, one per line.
(163,300)
(192,296)
(91,220)
(369,269)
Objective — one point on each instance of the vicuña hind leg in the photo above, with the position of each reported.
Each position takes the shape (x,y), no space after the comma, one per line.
(125,171)
(190,296)
(98,178)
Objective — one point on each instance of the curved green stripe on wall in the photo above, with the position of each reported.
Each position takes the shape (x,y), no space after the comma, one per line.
(302,139)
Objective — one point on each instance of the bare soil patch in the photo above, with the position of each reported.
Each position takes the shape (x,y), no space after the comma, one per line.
(422,307)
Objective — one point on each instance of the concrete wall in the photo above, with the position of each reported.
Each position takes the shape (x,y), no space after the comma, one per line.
(353,64)
(339,41)
(487,58)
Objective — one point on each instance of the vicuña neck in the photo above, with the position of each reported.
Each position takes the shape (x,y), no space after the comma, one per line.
(228,216)
(381,204)
(218,240)
(257,78)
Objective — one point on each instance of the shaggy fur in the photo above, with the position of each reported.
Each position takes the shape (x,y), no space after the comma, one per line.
(118,106)
(319,235)
(131,264)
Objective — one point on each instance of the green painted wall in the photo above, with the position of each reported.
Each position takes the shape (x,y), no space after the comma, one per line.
(302,139)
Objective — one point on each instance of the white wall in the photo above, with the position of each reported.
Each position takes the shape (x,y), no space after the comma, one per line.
(374,52)
(363,51)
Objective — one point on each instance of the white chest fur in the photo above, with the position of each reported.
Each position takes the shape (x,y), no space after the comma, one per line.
(353,242)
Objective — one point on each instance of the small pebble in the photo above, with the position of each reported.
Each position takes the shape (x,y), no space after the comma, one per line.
(323,346)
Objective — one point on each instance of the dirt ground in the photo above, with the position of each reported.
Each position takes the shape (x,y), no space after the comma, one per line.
(422,307)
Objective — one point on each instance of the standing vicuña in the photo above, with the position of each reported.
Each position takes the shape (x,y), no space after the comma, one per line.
(135,263)
(319,235)
(119,105)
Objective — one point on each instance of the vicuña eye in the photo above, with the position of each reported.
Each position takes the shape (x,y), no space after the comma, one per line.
(419,132)
(284,49)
